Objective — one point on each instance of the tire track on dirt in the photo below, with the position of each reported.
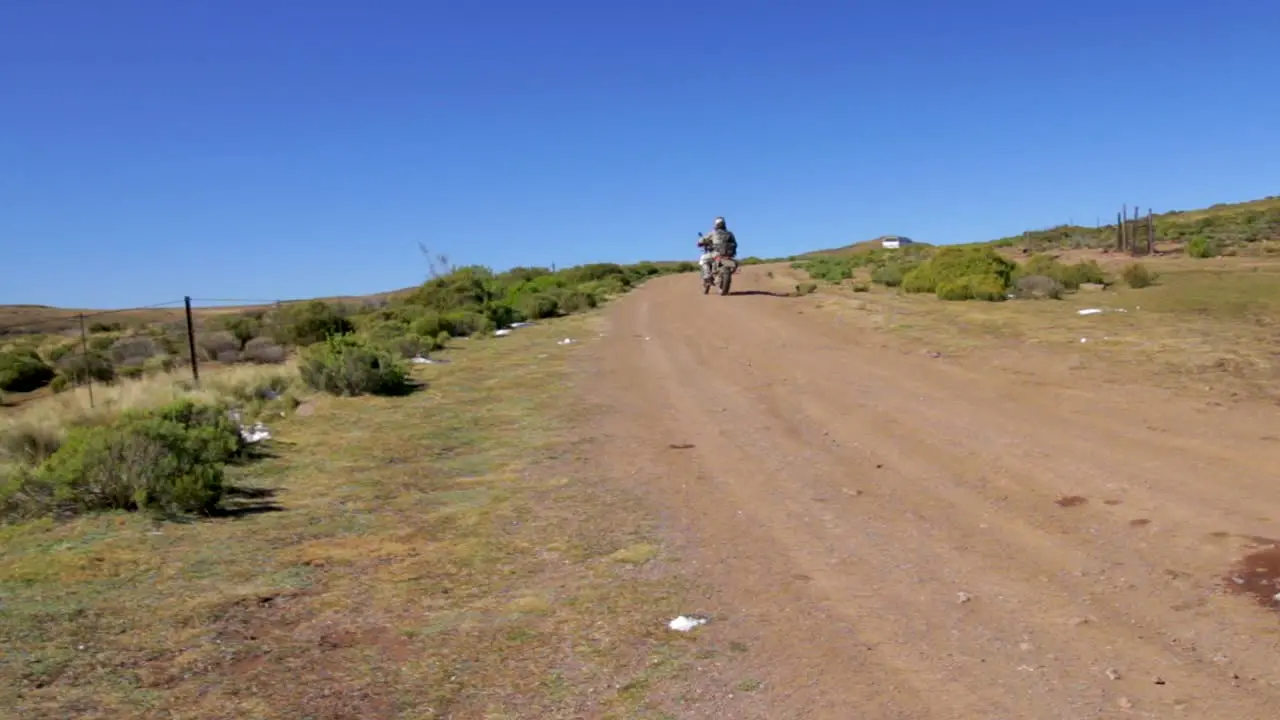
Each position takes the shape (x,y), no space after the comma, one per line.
(850,493)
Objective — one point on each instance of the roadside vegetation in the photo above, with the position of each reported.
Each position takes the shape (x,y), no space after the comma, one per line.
(955,273)
(423,556)
(404,542)
(154,440)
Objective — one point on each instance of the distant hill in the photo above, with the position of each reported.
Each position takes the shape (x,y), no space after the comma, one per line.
(864,246)
(1229,226)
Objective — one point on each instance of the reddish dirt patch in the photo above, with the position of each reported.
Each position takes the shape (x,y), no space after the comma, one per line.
(1258,574)
(1139,522)
(1071,501)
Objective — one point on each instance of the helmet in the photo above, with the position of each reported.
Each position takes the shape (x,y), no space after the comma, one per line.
(719,223)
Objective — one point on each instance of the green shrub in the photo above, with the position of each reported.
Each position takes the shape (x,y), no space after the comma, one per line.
(919,280)
(23,371)
(310,323)
(1070,277)
(1202,247)
(889,275)
(22,495)
(861,287)
(954,290)
(962,273)
(574,301)
(58,352)
(408,346)
(806,288)
(830,269)
(535,306)
(159,364)
(989,288)
(463,323)
(242,326)
(102,343)
(346,365)
(1136,275)
(1085,271)
(973,287)
(168,460)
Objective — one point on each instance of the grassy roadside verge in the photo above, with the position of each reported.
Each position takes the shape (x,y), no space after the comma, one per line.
(1203,325)
(438,555)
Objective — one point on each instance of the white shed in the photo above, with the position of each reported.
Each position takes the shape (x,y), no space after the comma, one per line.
(894,242)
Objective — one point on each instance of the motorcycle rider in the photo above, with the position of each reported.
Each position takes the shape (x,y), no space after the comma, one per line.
(720,241)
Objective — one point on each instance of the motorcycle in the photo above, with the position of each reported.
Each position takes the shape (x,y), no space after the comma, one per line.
(721,273)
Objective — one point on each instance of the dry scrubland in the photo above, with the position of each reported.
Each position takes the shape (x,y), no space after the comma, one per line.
(415,538)
(429,540)
(1198,315)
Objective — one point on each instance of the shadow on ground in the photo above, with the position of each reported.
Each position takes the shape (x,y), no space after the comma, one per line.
(241,501)
(767,293)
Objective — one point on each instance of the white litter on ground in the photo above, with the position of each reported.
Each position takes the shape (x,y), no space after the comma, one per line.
(502,333)
(1089,311)
(419,360)
(257,433)
(522,324)
(685,624)
(566,341)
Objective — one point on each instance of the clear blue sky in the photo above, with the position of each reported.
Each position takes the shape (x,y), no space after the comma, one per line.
(151,149)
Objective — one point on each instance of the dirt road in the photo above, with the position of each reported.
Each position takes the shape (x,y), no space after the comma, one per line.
(896,535)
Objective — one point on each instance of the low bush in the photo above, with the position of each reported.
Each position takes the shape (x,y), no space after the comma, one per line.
(574,301)
(889,275)
(535,306)
(1202,247)
(133,350)
(169,460)
(23,371)
(991,288)
(1137,276)
(217,345)
(159,364)
(80,369)
(264,352)
(346,365)
(830,269)
(806,288)
(962,273)
(861,287)
(102,343)
(244,327)
(28,442)
(1036,287)
(309,323)
(1071,277)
